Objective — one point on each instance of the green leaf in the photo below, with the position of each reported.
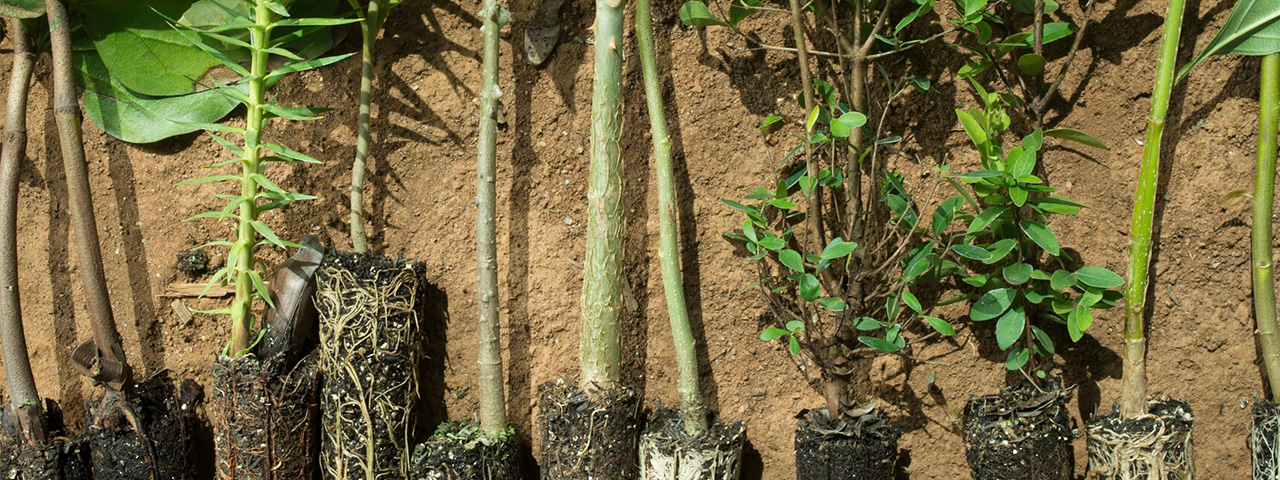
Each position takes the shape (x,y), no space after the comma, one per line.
(209,179)
(912,302)
(1040,233)
(1075,136)
(832,303)
(1098,277)
(992,304)
(880,344)
(21,8)
(768,124)
(1018,196)
(838,249)
(1029,6)
(1017,358)
(978,281)
(1053,31)
(866,324)
(999,249)
(266,232)
(772,243)
(138,118)
(795,326)
(1084,317)
(810,289)
(985,218)
(259,288)
(791,259)
(290,154)
(772,333)
(142,51)
(1010,326)
(940,325)
(1021,162)
(979,174)
(972,252)
(780,203)
(793,345)
(1031,64)
(924,7)
(741,9)
(1253,28)
(812,119)
(1017,273)
(972,127)
(1044,339)
(1062,279)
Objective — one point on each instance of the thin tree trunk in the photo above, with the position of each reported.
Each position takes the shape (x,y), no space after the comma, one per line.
(24,398)
(493,412)
(1264,299)
(692,410)
(369,29)
(1133,394)
(67,115)
(602,301)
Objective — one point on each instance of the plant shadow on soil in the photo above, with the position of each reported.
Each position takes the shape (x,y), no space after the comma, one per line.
(434,334)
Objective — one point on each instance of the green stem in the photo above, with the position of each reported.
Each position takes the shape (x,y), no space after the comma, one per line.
(1264,300)
(1133,394)
(67,115)
(23,396)
(369,29)
(602,301)
(693,411)
(246,238)
(493,413)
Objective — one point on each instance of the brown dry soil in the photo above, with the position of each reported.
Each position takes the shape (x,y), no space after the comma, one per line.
(422,186)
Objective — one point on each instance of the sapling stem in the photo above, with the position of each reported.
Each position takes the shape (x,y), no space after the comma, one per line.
(493,412)
(369,33)
(602,289)
(23,396)
(1133,394)
(246,234)
(811,162)
(1264,300)
(692,410)
(67,116)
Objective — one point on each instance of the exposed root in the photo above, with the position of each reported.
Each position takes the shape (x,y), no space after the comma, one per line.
(667,452)
(461,451)
(368,353)
(586,438)
(265,418)
(1264,440)
(1155,446)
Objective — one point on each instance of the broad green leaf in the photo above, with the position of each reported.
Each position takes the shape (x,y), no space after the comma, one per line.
(979,174)
(1017,358)
(985,218)
(838,249)
(791,259)
(912,302)
(1018,196)
(741,9)
(793,345)
(924,7)
(1010,326)
(137,118)
(1053,31)
(1099,277)
(866,324)
(812,119)
(940,325)
(142,51)
(1075,136)
(1029,6)
(772,333)
(972,252)
(1031,64)
(1062,279)
(1044,339)
(1021,162)
(795,326)
(1017,273)
(999,249)
(832,303)
(21,8)
(973,128)
(880,344)
(772,243)
(768,124)
(1040,233)
(1253,28)
(809,287)
(992,304)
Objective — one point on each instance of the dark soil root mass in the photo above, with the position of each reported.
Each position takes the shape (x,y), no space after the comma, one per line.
(1155,446)
(585,438)
(862,448)
(368,308)
(60,459)
(668,452)
(461,451)
(162,450)
(266,418)
(1021,433)
(1264,441)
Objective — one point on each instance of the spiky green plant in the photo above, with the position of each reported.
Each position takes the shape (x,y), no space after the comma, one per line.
(257,194)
